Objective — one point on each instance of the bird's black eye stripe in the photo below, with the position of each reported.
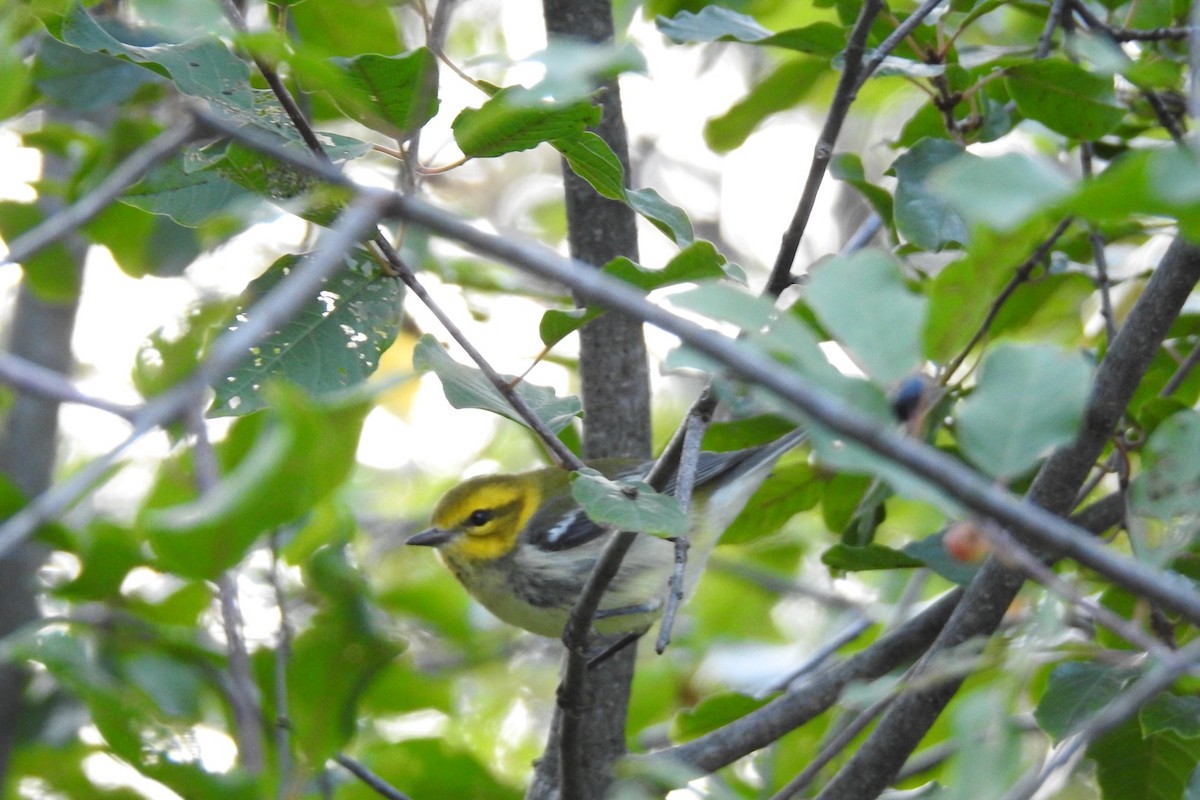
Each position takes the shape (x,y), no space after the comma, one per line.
(479,517)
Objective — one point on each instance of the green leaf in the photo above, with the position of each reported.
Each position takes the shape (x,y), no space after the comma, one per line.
(191,198)
(396,94)
(1029,399)
(789,490)
(863,301)
(1065,98)
(784,88)
(1169,484)
(332,344)
(84,81)
(1179,714)
(275,467)
(1000,192)
(667,217)
(923,217)
(467,387)
(202,67)
(711,24)
(1156,767)
(328,26)
(333,661)
(711,713)
(868,557)
(513,120)
(1074,693)
(592,159)
(53,274)
(429,768)
(628,505)
(1160,181)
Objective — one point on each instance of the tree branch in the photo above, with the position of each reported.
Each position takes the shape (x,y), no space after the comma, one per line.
(876,763)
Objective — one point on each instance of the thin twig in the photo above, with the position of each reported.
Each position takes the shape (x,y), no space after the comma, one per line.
(243,695)
(1019,277)
(689,458)
(1182,371)
(833,748)
(1099,255)
(282,654)
(1053,20)
(127,173)
(879,54)
(817,658)
(1010,551)
(847,90)
(373,781)
(34,379)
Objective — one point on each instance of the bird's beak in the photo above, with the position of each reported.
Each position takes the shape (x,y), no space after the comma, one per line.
(434,537)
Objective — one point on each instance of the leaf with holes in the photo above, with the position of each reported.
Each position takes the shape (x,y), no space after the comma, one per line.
(333,343)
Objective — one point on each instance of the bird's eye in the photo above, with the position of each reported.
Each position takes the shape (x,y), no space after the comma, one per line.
(479,517)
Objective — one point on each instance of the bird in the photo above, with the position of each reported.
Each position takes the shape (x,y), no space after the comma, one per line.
(523,547)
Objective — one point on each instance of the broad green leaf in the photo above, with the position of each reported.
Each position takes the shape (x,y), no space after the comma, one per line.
(592,159)
(1130,765)
(83,81)
(1169,484)
(710,24)
(398,94)
(784,88)
(1029,400)
(1179,714)
(990,743)
(275,468)
(667,217)
(332,344)
(191,198)
(1065,98)
(294,190)
(146,244)
(1074,693)
(512,120)
(628,505)
(1000,192)
(863,301)
(171,353)
(333,661)
(107,552)
(923,217)
(867,557)
(53,274)
(201,67)
(820,38)
(790,489)
(331,27)
(466,387)
(1163,181)
(711,713)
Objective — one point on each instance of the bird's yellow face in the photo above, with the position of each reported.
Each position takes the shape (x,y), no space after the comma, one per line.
(484,516)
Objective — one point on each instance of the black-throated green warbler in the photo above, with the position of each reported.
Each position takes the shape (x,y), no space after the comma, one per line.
(523,547)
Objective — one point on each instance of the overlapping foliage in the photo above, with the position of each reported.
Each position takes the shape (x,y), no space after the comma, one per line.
(1024,175)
